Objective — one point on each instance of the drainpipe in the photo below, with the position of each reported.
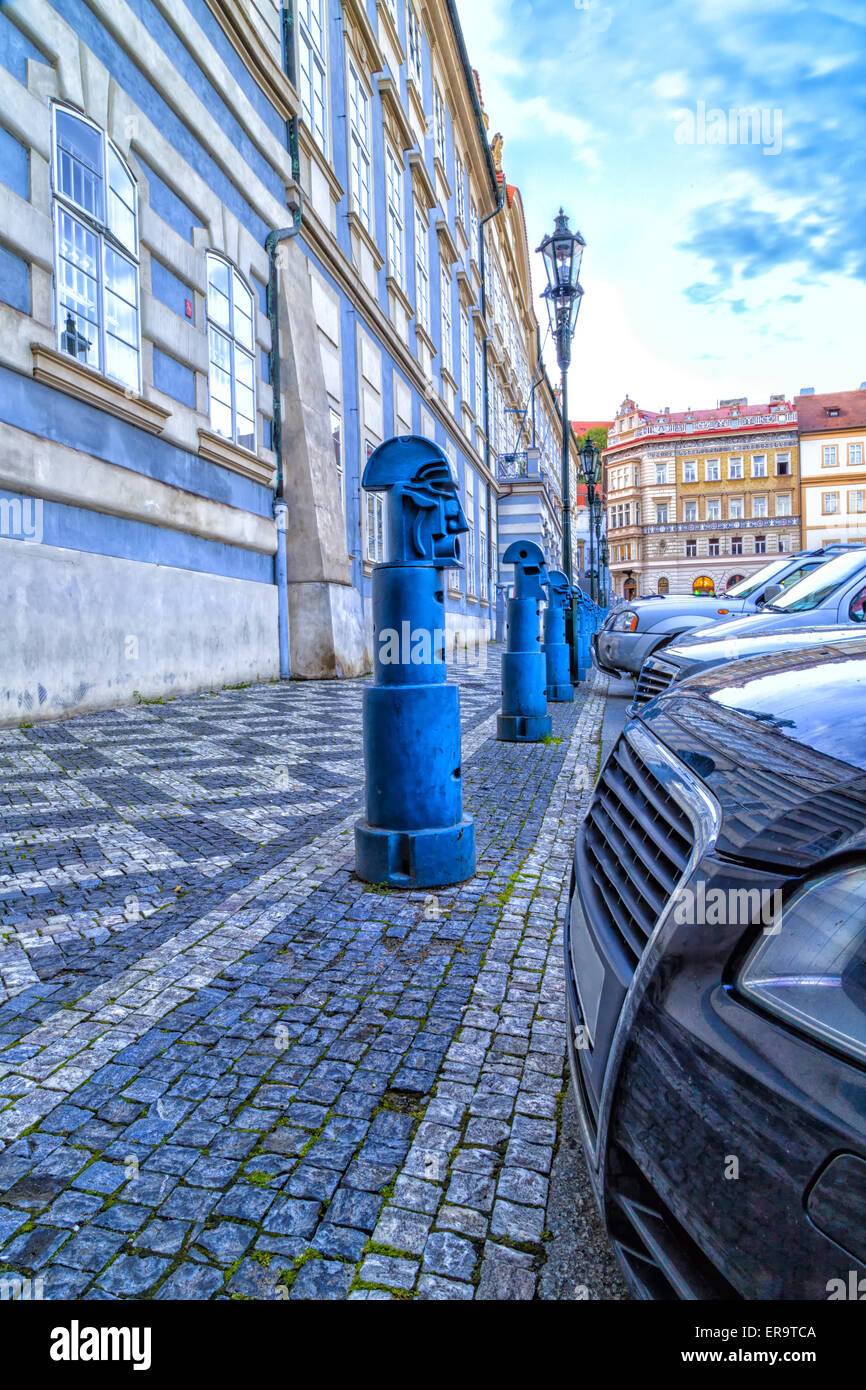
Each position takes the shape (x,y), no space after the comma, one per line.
(281,511)
(492,570)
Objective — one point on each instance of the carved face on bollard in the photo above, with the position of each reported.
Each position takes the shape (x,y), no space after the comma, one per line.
(559,590)
(530,569)
(425,517)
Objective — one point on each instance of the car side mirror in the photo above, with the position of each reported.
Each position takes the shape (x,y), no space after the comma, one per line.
(771,593)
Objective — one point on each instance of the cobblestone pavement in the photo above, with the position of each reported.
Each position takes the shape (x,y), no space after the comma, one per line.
(230,1069)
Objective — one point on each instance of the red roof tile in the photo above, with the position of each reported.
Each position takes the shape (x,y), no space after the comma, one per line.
(812,411)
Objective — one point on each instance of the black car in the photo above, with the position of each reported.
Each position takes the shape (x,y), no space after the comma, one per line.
(715,955)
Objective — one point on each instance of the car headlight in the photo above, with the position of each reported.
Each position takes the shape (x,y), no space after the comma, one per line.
(812,970)
(624,622)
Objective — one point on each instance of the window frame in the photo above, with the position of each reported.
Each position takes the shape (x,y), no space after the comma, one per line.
(414,51)
(358,85)
(319,57)
(395,215)
(106,239)
(212,325)
(446,316)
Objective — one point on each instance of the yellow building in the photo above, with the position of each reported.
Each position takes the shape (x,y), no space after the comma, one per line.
(699,499)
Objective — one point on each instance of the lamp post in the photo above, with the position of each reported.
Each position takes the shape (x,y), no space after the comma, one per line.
(590,474)
(562,250)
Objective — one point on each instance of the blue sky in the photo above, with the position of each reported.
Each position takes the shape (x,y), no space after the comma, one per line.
(714,266)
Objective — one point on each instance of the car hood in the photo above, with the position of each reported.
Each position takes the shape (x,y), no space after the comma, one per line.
(781,742)
(717,647)
(649,610)
(750,625)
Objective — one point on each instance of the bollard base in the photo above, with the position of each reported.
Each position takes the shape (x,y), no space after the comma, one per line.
(560,694)
(415,858)
(523,728)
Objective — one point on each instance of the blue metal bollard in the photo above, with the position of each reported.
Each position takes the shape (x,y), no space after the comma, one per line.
(415,834)
(557,656)
(524,717)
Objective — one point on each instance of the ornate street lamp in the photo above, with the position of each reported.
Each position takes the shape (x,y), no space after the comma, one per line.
(563,250)
(590,473)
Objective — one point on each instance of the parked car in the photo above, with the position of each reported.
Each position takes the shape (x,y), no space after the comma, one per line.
(636,630)
(719,1063)
(691,656)
(836,593)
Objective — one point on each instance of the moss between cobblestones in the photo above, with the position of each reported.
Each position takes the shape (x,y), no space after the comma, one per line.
(288,1276)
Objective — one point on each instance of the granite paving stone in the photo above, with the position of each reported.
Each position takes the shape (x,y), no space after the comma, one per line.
(228,1068)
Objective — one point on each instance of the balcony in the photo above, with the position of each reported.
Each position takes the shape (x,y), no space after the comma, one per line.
(524,466)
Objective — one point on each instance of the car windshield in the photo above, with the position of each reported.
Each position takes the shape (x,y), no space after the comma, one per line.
(813,590)
(754,581)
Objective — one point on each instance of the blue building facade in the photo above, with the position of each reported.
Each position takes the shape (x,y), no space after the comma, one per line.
(240,245)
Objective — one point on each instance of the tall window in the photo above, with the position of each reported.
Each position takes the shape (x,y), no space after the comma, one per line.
(714,509)
(360,159)
(736,545)
(422,271)
(375,528)
(690,471)
(735,468)
(464,357)
(313,67)
(474,232)
(337,440)
(482,539)
(460,188)
(416,60)
(714,547)
(690,511)
(735,509)
(712,470)
(231,360)
(759,465)
(828,456)
(447,333)
(661,513)
(394,190)
(857,500)
(661,472)
(96,250)
(783,504)
(760,545)
(439,136)
(471,584)
(479,376)
(855,454)
(691,549)
(759,506)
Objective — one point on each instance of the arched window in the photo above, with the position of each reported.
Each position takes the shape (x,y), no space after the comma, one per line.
(703,585)
(664,586)
(734,579)
(231,360)
(96,217)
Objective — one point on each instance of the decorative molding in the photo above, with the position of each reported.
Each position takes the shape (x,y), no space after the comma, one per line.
(443,231)
(67,374)
(315,156)
(422,179)
(395,288)
(366,40)
(256,56)
(386,21)
(401,130)
(230,455)
(356,226)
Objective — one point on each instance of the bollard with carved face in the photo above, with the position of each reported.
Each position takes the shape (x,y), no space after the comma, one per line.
(425,517)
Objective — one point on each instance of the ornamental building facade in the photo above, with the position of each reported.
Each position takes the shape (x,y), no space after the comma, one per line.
(699,499)
(833,466)
(240,245)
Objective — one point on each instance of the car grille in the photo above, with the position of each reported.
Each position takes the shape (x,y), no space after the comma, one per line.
(661,1259)
(655,676)
(635,845)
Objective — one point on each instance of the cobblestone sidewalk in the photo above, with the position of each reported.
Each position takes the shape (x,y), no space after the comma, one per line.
(230,1069)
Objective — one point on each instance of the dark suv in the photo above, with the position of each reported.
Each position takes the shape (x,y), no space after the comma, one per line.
(715,955)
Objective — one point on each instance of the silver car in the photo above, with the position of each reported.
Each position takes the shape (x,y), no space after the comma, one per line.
(635,630)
